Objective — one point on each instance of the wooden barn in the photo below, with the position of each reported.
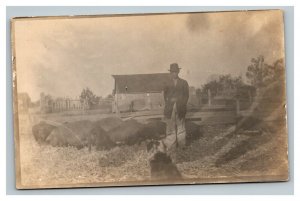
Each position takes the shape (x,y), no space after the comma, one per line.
(143,92)
(139,92)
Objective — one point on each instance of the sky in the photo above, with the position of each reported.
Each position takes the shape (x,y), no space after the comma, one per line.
(61,56)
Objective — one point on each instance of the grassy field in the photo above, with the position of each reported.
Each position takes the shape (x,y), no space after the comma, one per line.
(227,150)
(219,153)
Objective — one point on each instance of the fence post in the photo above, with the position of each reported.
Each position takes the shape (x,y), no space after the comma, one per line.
(117,111)
(237,106)
(209,97)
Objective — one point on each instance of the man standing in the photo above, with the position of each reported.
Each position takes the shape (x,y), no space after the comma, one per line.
(176,95)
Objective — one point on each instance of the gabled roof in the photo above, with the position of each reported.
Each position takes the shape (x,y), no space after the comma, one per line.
(141,83)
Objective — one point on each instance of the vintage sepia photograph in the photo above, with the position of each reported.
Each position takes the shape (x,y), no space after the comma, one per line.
(149,99)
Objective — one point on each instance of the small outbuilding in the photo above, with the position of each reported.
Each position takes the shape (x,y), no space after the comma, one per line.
(139,92)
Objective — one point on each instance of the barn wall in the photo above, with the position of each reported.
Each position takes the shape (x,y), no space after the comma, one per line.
(138,102)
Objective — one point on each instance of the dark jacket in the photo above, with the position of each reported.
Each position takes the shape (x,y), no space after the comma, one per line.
(180,92)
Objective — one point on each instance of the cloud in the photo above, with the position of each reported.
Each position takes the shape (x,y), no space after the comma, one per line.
(63,56)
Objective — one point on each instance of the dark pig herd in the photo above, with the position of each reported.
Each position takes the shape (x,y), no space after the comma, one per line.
(111,132)
(103,134)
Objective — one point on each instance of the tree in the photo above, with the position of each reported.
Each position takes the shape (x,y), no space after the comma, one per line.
(224,85)
(46,103)
(261,74)
(277,70)
(89,98)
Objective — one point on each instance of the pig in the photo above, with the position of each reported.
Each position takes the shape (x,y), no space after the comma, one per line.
(41,131)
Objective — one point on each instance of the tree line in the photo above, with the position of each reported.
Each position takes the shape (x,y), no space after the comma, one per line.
(259,74)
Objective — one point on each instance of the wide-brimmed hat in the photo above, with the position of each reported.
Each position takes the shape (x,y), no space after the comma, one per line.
(174,67)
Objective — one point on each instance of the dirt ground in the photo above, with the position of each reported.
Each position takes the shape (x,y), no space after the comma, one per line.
(218,153)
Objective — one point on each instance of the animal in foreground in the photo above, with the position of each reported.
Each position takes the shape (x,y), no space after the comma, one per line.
(41,131)
(99,138)
(161,164)
(71,134)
